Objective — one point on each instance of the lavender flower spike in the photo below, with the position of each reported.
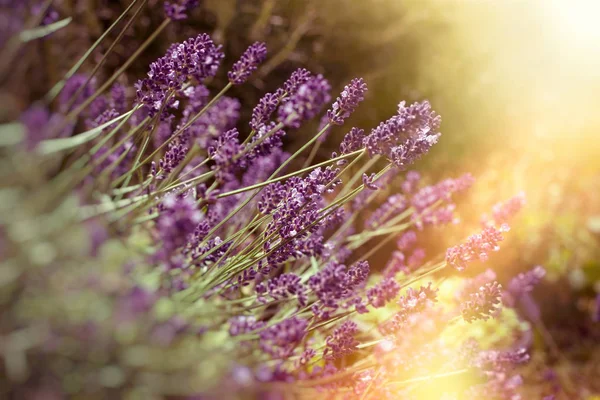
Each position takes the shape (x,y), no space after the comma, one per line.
(345,105)
(406,136)
(177,9)
(252,57)
(483,304)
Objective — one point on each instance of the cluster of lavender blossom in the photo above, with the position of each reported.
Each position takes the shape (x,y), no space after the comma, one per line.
(239,265)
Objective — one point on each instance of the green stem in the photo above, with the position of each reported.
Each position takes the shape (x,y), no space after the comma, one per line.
(56,89)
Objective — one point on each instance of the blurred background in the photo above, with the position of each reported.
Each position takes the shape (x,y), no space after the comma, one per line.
(515,82)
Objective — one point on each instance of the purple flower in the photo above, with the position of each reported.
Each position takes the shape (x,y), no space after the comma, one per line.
(224,151)
(196,58)
(349,99)
(260,146)
(305,103)
(218,119)
(525,282)
(248,62)
(352,141)
(425,200)
(483,304)
(410,182)
(40,124)
(393,206)
(177,9)
(406,136)
(369,181)
(178,218)
(174,155)
(477,246)
(412,303)
(382,293)
(406,240)
(242,324)
(118,99)
(341,342)
(282,287)
(50,16)
(296,79)
(335,283)
(72,86)
(503,212)
(280,340)
(263,110)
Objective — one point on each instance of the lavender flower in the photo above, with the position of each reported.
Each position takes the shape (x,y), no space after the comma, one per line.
(177,220)
(412,303)
(248,62)
(280,340)
(196,58)
(174,155)
(341,342)
(263,110)
(72,86)
(525,282)
(349,99)
(305,103)
(334,284)
(353,141)
(484,304)
(296,79)
(242,324)
(502,212)
(405,137)
(425,200)
(282,287)
(382,293)
(177,9)
(393,206)
(477,246)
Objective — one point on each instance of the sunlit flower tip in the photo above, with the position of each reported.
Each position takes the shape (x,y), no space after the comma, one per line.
(406,136)
(476,247)
(178,9)
(248,62)
(485,303)
(503,212)
(349,99)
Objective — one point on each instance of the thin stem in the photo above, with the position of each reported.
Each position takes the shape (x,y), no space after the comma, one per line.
(56,89)
(73,114)
(97,66)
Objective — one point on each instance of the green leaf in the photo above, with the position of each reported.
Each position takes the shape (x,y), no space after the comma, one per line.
(54,145)
(11,133)
(36,33)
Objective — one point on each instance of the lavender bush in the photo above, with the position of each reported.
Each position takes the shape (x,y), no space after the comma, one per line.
(155,247)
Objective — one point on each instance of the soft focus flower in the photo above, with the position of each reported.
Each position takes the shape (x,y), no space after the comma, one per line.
(178,9)
(476,247)
(484,303)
